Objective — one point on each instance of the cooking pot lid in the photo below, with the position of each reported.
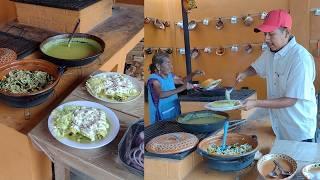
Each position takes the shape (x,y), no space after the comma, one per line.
(172,143)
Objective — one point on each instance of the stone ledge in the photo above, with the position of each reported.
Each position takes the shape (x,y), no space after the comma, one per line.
(62,20)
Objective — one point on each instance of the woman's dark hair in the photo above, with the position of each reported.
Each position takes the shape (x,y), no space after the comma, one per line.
(158,58)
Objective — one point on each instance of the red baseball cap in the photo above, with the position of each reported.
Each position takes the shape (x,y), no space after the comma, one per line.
(274,20)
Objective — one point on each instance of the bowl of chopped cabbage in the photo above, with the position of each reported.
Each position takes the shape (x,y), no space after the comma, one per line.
(238,154)
(238,145)
(28,82)
(83,124)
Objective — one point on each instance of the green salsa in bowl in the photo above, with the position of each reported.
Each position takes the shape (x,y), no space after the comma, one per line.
(204,121)
(83,49)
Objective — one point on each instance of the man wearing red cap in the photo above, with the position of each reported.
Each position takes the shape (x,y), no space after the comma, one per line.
(289,71)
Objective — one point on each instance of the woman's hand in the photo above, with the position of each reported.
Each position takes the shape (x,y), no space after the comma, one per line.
(189,86)
(198,73)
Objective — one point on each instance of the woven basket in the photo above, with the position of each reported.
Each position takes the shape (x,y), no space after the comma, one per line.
(7,55)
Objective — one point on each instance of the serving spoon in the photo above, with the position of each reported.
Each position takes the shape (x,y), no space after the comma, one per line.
(225,134)
(273,173)
(229,90)
(283,172)
(74,30)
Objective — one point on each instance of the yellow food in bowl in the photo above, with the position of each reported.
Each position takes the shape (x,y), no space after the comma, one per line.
(209,82)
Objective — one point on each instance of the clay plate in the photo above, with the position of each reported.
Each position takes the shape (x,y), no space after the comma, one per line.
(172,143)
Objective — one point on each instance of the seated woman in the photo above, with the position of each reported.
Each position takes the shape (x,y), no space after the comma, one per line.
(162,94)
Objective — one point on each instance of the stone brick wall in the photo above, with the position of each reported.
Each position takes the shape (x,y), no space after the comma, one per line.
(134,61)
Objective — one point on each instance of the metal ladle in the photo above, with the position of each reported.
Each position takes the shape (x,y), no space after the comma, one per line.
(74,30)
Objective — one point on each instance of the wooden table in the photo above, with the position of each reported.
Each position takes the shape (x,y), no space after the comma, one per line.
(101,163)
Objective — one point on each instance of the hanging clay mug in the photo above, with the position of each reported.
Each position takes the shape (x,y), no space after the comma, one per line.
(205,22)
(192,24)
(207,50)
(148,51)
(234,48)
(248,20)
(248,48)
(263,15)
(180,24)
(147,20)
(166,24)
(158,24)
(182,51)
(195,53)
(169,50)
(219,24)
(189,4)
(220,51)
(234,20)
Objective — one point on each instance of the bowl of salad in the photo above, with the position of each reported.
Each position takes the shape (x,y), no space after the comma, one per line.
(238,145)
(238,154)
(83,124)
(113,87)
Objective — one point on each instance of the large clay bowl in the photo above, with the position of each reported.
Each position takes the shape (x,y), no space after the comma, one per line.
(31,65)
(232,138)
(266,165)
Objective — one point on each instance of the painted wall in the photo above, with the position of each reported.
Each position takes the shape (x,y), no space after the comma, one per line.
(305,27)
(7,11)
(225,67)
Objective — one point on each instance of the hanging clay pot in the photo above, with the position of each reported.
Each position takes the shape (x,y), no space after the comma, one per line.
(195,53)
(219,24)
(158,24)
(148,51)
(207,50)
(247,20)
(169,50)
(234,48)
(147,20)
(248,48)
(220,51)
(205,22)
(166,24)
(192,25)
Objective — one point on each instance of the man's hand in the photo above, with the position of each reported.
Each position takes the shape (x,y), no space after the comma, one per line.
(241,76)
(249,104)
